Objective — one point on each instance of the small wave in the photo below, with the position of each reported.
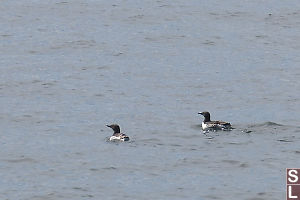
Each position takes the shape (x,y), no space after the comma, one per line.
(94,169)
(265,124)
(285,140)
(21,160)
(80,188)
(109,168)
(244,165)
(233,162)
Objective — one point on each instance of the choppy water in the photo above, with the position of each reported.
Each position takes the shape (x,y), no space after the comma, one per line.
(67,68)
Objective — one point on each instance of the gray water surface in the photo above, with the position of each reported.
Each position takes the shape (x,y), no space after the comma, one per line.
(67,68)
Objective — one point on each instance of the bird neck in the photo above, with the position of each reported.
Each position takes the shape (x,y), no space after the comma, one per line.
(116,130)
(206,119)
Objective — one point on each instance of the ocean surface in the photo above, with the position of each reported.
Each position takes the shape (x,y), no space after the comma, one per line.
(68,68)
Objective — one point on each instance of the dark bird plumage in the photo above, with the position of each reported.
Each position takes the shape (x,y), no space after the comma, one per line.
(117,133)
(207,124)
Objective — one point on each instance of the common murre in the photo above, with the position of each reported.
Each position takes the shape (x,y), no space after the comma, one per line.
(213,125)
(117,134)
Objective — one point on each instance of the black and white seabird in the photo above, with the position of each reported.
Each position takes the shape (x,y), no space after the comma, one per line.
(117,134)
(213,125)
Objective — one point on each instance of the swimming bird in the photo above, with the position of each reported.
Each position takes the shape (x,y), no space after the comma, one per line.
(213,125)
(117,134)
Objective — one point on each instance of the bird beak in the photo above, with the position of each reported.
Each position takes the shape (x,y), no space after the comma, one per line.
(108,126)
(200,113)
